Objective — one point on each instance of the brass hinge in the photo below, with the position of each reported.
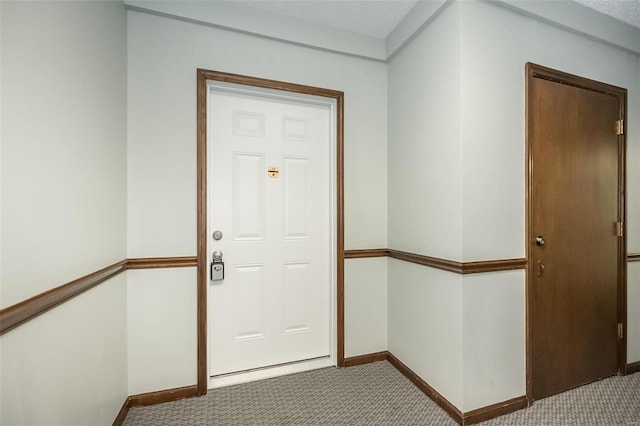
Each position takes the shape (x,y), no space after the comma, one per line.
(619,127)
(619,229)
(620,330)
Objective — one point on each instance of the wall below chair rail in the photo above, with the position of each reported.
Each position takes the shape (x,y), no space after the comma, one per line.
(425,325)
(365,300)
(69,365)
(633,312)
(162,301)
(493,338)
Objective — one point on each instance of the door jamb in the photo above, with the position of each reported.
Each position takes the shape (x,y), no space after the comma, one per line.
(202,77)
(537,71)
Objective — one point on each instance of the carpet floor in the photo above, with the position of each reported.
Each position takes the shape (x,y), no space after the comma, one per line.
(378,394)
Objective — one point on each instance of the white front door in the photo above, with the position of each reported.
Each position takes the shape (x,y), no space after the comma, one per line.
(270,196)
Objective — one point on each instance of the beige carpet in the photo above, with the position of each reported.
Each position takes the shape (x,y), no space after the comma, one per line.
(377,394)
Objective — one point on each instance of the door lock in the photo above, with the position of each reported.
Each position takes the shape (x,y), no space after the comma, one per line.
(540,240)
(217,266)
(540,268)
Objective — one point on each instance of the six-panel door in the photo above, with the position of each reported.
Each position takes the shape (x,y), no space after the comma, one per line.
(269,195)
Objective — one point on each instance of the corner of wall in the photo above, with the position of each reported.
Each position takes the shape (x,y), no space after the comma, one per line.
(424,157)
(418,17)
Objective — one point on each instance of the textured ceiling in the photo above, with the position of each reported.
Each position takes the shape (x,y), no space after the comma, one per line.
(624,10)
(377,18)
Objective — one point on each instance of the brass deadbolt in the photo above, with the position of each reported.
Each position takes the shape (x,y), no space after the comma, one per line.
(273,172)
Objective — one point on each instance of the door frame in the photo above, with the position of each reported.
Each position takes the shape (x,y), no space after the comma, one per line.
(203,76)
(537,71)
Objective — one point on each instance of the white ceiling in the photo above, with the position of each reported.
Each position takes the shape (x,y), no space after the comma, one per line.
(377,18)
(624,10)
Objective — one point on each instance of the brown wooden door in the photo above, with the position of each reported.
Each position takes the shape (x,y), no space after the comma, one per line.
(574,277)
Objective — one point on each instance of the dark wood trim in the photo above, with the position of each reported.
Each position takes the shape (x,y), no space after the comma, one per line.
(432,262)
(527,225)
(167,395)
(359,254)
(162,262)
(339,97)
(459,267)
(493,265)
(203,76)
(268,84)
(365,359)
(495,410)
(14,315)
(622,212)
(18,314)
(122,414)
(632,368)
(426,389)
(545,73)
(533,71)
(28,309)
(633,257)
(468,418)
(152,398)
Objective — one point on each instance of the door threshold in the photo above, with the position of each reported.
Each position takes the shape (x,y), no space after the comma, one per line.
(269,372)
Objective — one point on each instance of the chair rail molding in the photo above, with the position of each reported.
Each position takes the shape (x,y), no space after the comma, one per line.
(439,263)
(28,309)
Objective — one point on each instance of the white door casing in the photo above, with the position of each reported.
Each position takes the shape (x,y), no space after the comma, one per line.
(276,304)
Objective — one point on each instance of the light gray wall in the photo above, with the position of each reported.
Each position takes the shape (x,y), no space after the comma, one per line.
(493,90)
(63,143)
(63,208)
(493,117)
(164,54)
(425,203)
(493,324)
(365,302)
(425,171)
(457,188)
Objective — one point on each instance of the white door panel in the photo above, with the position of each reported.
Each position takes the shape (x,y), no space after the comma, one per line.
(274,304)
